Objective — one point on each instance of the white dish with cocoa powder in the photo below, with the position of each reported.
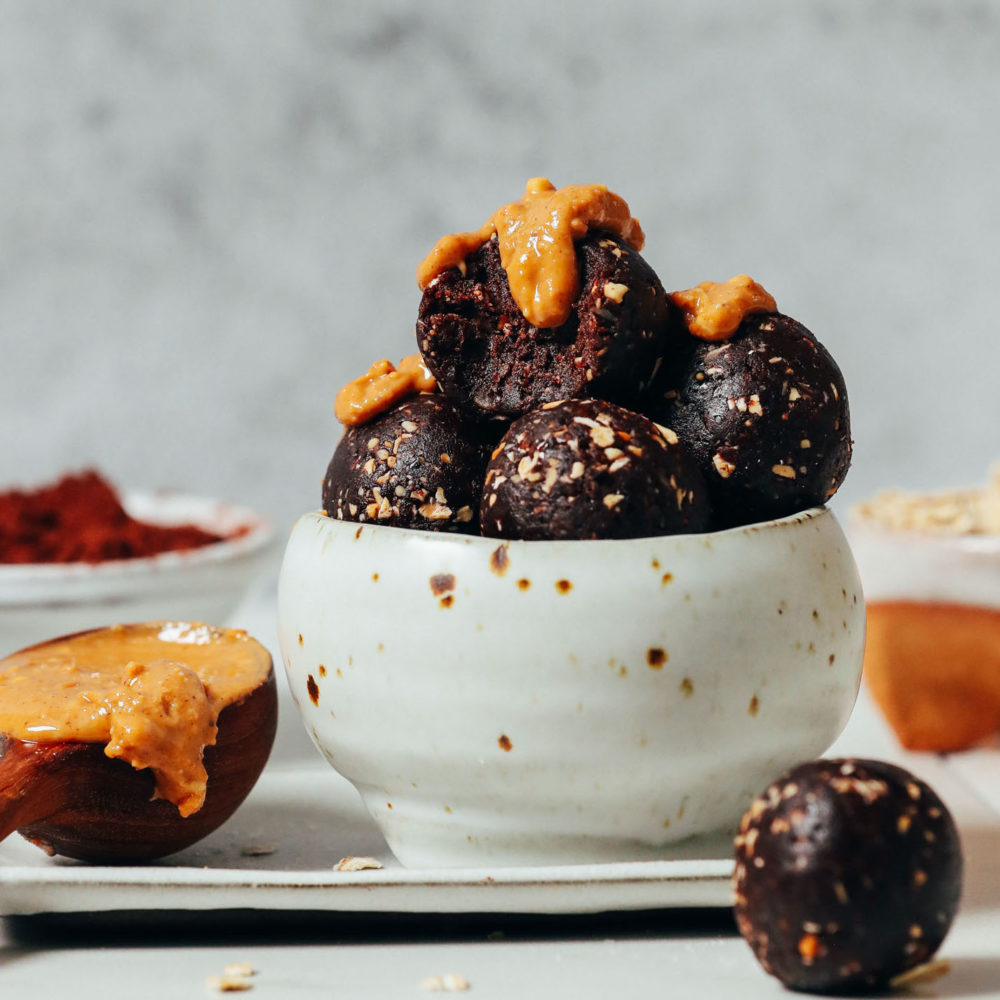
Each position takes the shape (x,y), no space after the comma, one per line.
(567,702)
(40,601)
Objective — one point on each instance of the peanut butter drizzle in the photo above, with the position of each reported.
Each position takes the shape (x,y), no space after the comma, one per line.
(380,387)
(536,237)
(151,693)
(714,310)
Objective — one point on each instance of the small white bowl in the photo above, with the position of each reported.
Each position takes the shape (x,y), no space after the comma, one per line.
(567,702)
(42,600)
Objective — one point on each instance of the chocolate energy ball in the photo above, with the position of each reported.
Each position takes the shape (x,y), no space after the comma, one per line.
(491,362)
(765,414)
(418,465)
(848,872)
(589,469)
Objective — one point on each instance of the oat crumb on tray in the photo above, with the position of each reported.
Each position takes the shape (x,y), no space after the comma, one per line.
(356,864)
(450,982)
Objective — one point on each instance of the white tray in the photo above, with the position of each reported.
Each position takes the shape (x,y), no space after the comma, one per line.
(306,818)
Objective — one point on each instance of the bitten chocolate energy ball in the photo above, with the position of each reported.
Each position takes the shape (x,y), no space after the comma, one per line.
(848,873)
(491,362)
(590,469)
(765,414)
(415,466)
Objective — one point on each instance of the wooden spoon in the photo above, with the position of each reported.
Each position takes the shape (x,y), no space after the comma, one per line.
(69,798)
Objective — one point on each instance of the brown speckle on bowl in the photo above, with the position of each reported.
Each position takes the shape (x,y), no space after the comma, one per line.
(656,657)
(754,707)
(523,584)
(564,586)
(667,578)
(301,640)
(340,672)
(447,601)
(815,615)
(313,688)
(441,583)
(322,670)
(505,744)
(687,686)
(655,564)
(374,577)
(357,534)
(381,647)
(499,560)
(831,658)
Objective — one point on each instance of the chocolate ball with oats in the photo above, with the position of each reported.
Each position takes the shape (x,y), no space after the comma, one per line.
(765,414)
(417,465)
(589,469)
(492,363)
(848,873)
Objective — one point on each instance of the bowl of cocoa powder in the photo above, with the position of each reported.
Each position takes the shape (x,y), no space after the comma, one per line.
(77,554)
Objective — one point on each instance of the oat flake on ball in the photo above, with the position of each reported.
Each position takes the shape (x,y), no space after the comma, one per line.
(417,465)
(848,873)
(587,469)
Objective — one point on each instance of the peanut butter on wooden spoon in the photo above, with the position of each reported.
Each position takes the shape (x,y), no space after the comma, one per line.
(133,741)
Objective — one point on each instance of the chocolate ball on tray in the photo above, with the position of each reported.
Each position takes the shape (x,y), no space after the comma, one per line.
(493,363)
(765,414)
(416,465)
(579,469)
(848,873)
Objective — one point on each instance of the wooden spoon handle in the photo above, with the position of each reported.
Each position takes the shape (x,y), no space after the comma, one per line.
(35,781)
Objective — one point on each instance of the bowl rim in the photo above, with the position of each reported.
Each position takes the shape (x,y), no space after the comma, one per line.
(210,513)
(566,544)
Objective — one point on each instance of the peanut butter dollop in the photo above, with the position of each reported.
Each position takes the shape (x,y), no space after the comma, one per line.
(151,693)
(380,387)
(536,237)
(714,310)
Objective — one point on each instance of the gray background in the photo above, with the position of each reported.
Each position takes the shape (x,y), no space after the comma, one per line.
(211,212)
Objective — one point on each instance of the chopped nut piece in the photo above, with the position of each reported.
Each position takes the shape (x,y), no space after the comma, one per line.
(356,864)
(434,511)
(668,433)
(784,471)
(612,499)
(602,436)
(722,467)
(614,291)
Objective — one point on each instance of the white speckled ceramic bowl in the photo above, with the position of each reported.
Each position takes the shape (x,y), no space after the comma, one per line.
(39,601)
(548,702)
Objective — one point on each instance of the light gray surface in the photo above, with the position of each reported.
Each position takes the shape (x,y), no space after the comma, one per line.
(210,214)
